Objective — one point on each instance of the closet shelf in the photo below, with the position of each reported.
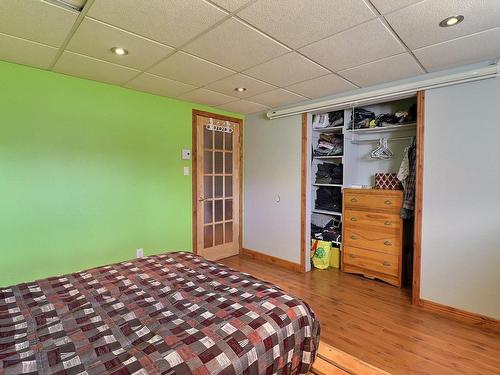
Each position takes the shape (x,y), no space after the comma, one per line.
(325,212)
(383,129)
(330,185)
(329,157)
(335,129)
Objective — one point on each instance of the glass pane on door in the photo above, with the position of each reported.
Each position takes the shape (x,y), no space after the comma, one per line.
(217,173)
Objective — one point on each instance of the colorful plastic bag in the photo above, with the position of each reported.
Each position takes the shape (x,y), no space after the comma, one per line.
(321,252)
(335,257)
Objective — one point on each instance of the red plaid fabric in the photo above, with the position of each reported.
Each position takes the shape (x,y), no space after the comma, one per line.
(174,313)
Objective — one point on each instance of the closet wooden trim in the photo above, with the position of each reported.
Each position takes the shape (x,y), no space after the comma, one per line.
(194,180)
(479,320)
(303,195)
(272,260)
(419,190)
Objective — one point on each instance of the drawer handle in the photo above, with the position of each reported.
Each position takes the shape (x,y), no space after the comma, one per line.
(354,237)
(387,222)
(388,202)
(354,200)
(387,264)
(352,256)
(388,243)
(354,219)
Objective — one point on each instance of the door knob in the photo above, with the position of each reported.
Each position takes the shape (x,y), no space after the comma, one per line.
(201,199)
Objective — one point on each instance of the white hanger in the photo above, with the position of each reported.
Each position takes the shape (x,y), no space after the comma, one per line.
(382,151)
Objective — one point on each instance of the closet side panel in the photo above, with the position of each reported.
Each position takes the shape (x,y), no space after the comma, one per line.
(272,167)
(461,205)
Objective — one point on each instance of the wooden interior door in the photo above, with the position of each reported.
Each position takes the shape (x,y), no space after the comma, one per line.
(216,200)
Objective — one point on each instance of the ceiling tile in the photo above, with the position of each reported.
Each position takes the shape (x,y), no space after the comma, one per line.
(90,68)
(208,97)
(253,86)
(24,52)
(362,44)
(158,85)
(386,6)
(322,86)
(172,22)
(94,38)
(466,50)
(190,69)
(385,70)
(236,46)
(244,106)
(36,20)
(231,5)
(418,25)
(298,22)
(277,98)
(286,70)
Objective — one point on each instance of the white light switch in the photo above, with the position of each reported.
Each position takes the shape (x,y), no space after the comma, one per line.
(186,171)
(186,154)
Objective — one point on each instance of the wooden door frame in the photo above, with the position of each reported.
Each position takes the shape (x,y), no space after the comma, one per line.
(417,241)
(194,171)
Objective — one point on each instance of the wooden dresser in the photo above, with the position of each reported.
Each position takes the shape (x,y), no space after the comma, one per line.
(373,234)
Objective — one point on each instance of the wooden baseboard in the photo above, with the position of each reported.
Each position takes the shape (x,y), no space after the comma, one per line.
(331,361)
(272,260)
(470,317)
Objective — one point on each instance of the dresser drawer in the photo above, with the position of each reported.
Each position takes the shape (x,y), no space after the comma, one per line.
(372,260)
(389,243)
(387,202)
(386,222)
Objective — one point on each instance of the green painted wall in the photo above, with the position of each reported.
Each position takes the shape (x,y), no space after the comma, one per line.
(89,172)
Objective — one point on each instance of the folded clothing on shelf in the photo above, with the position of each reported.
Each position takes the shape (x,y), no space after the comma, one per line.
(328,120)
(330,145)
(332,231)
(329,199)
(329,173)
(363,118)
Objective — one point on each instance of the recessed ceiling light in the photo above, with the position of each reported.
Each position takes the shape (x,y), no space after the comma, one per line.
(119,51)
(451,21)
(240,89)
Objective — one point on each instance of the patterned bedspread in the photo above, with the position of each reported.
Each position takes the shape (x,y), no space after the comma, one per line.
(174,313)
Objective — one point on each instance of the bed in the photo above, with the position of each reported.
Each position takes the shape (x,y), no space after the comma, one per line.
(174,313)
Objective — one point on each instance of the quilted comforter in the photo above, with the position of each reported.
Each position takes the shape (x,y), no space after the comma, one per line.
(175,313)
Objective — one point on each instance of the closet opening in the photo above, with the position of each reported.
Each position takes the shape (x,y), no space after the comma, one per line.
(362,193)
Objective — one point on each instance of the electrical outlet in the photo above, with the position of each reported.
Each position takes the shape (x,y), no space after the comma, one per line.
(139,253)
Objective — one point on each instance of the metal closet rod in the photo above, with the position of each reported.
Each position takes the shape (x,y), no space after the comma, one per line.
(392,139)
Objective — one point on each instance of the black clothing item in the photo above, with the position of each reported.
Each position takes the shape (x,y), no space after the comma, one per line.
(332,231)
(329,173)
(329,199)
(336,118)
(361,119)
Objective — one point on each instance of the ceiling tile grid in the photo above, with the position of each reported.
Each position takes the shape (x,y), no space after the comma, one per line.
(158,85)
(250,85)
(94,38)
(172,22)
(384,70)
(280,51)
(286,70)
(190,69)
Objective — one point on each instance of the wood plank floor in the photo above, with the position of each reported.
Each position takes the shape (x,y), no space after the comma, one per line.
(376,323)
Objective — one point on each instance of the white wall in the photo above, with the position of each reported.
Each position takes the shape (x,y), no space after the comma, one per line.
(461,212)
(272,157)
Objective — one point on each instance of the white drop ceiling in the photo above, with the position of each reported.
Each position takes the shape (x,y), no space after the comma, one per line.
(281,51)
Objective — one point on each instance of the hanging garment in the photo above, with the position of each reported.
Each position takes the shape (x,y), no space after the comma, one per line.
(404,168)
(409,195)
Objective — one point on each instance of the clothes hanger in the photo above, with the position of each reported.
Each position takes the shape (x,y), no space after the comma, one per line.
(382,151)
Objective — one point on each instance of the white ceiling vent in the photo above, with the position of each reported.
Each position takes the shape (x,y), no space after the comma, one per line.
(70,4)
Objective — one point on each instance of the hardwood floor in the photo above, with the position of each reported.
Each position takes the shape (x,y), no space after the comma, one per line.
(376,323)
